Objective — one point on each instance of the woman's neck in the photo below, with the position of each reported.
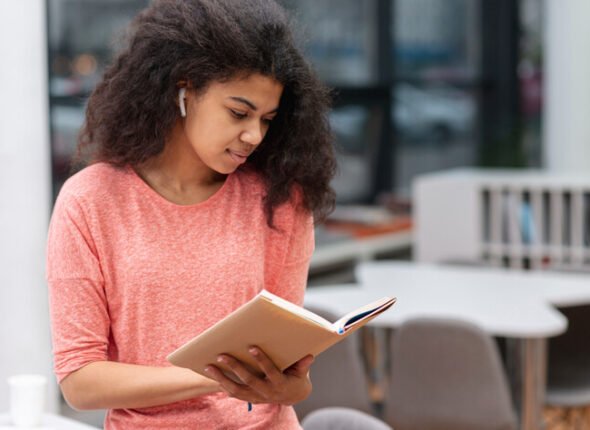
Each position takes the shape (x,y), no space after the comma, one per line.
(178,174)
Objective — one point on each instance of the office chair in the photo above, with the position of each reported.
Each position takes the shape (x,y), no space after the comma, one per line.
(337,375)
(447,374)
(342,419)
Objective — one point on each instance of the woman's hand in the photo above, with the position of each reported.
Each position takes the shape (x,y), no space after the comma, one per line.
(285,388)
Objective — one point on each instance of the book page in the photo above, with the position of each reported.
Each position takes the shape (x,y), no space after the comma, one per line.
(298,310)
(354,317)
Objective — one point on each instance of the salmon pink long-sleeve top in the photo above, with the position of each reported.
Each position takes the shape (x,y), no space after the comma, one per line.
(132,276)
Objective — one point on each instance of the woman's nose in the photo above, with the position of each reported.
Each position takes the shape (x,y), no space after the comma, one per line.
(253,134)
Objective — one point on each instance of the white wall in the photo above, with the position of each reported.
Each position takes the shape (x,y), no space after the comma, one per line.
(566,119)
(25,189)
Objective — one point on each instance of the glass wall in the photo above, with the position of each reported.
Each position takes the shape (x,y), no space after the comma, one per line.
(339,37)
(438,48)
(530,76)
(83,34)
(416,82)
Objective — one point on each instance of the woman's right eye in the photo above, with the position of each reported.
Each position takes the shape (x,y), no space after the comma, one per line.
(238,115)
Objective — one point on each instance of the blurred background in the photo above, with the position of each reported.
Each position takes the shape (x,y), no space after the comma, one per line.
(420,87)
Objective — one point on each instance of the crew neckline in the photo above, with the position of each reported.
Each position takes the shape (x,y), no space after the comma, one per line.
(158,198)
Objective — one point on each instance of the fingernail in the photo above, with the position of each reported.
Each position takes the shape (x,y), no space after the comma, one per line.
(207,369)
(253,351)
(221,359)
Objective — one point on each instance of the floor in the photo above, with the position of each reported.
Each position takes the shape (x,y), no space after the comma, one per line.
(567,419)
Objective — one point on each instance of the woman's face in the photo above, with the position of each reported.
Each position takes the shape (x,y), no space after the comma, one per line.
(229,120)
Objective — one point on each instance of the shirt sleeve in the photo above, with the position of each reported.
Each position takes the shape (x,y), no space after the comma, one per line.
(77,302)
(289,279)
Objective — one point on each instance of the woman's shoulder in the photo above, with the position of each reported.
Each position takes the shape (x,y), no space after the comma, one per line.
(257,184)
(293,210)
(94,181)
(250,178)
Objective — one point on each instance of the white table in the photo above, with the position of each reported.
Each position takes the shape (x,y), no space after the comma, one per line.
(50,422)
(515,305)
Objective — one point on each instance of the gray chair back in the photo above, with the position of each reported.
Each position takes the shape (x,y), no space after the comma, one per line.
(342,419)
(447,374)
(568,375)
(337,376)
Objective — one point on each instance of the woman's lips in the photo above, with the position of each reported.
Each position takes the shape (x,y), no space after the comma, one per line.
(238,157)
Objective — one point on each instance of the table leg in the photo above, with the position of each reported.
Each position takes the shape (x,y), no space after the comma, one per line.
(527,368)
(375,353)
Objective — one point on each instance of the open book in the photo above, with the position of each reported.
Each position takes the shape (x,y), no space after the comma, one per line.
(284,331)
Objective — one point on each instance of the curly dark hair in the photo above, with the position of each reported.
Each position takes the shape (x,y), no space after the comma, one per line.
(133,109)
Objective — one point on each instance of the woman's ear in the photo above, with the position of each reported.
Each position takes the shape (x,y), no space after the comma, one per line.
(181,104)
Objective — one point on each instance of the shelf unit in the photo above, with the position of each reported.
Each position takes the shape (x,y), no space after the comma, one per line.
(523,219)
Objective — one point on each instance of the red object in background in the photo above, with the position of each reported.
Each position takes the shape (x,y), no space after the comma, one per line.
(531,92)
(358,230)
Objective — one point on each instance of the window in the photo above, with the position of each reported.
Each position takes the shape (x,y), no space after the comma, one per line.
(420,85)
(81,36)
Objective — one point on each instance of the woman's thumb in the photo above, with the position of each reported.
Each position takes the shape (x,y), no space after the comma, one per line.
(302,366)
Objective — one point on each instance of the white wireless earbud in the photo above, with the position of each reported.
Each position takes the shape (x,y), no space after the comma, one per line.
(181,97)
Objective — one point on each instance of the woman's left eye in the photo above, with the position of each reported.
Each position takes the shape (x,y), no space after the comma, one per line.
(237,114)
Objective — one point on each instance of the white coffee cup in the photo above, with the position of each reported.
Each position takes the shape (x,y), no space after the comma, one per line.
(27,399)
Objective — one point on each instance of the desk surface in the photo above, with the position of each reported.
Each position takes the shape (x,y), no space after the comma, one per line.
(508,304)
(355,249)
(559,289)
(50,422)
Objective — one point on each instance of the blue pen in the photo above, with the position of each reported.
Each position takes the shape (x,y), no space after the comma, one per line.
(249,406)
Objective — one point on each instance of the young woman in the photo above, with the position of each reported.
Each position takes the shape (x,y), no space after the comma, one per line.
(210,154)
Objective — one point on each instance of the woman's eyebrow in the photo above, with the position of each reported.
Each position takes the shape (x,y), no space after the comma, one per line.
(249,103)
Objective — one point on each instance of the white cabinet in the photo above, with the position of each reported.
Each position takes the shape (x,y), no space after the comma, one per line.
(511,218)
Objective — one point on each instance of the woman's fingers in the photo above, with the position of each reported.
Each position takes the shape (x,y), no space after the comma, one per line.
(301,368)
(276,387)
(226,383)
(273,374)
(232,388)
(244,375)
